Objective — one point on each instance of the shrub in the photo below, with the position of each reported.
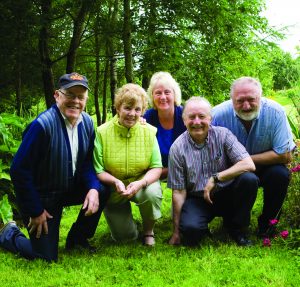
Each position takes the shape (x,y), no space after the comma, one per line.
(293,198)
(11,128)
(5,210)
(292,204)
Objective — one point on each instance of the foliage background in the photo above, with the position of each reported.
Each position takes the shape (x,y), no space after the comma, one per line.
(205,44)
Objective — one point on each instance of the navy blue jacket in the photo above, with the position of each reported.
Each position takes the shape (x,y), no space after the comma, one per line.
(41,170)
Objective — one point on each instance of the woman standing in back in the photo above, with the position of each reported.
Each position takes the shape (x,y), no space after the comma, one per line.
(166,114)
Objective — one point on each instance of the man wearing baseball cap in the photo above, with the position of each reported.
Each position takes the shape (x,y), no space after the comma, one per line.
(52,169)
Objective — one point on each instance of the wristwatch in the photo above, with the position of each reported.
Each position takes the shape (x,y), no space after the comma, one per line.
(215,177)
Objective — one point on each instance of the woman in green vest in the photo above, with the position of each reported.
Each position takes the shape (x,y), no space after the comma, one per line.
(127,158)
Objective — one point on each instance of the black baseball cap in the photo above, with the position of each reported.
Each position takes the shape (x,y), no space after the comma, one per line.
(70,80)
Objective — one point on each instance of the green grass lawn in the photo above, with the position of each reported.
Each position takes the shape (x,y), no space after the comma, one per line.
(216,262)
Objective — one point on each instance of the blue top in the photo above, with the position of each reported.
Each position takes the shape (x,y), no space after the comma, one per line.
(165,140)
(269,131)
(165,137)
(41,170)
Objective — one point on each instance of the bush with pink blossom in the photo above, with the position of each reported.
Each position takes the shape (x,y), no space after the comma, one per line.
(273,236)
(292,203)
(291,209)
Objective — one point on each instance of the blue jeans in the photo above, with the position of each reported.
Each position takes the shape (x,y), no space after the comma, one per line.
(233,203)
(46,247)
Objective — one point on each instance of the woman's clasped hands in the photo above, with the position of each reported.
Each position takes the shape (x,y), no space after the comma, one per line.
(131,189)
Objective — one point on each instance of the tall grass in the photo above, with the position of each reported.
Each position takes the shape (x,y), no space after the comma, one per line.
(216,262)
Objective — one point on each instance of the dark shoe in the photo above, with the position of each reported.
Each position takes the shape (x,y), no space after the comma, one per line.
(240,239)
(72,244)
(7,226)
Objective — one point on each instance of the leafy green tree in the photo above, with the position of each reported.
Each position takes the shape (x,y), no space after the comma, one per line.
(286,72)
(19,73)
(204,44)
(127,41)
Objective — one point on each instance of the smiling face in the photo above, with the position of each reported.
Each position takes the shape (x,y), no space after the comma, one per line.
(71,102)
(129,114)
(197,118)
(163,97)
(246,101)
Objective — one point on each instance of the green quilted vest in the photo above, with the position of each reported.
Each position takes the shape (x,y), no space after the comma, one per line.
(126,152)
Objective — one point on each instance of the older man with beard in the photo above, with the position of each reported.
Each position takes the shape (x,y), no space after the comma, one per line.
(261,126)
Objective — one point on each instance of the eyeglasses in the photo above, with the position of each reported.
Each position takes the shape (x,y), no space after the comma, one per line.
(73,97)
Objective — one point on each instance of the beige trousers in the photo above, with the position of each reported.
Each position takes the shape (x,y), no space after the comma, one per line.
(118,212)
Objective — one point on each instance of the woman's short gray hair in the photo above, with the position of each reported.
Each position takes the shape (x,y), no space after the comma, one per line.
(165,79)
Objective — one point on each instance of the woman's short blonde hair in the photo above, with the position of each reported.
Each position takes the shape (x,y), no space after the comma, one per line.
(165,79)
(130,94)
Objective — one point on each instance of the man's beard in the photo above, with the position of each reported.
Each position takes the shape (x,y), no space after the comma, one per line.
(248,116)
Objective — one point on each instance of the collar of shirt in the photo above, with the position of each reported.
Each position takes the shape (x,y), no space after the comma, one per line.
(196,145)
(68,124)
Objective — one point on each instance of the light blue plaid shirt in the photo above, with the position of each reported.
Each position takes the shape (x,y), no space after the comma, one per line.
(269,131)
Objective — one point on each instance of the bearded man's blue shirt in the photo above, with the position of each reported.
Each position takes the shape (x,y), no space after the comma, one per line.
(269,131)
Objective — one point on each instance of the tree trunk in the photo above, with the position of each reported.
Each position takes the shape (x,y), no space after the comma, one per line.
(127,42)
(46,63)
(18,82)
(112,58)
(78,28)
(97,76)
(104,108)
(145,81)
(113,82)
(149,60)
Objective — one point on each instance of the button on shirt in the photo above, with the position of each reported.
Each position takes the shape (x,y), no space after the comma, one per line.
(192,164)
(269,131)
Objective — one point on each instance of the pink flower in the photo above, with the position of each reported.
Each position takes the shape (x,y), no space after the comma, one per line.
(273,222)
(267,242)
(296,169)
(284,234)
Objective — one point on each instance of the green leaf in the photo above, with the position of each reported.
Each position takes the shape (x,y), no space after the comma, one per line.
(5,175)
(5,210)
(294,128)
(6,149)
